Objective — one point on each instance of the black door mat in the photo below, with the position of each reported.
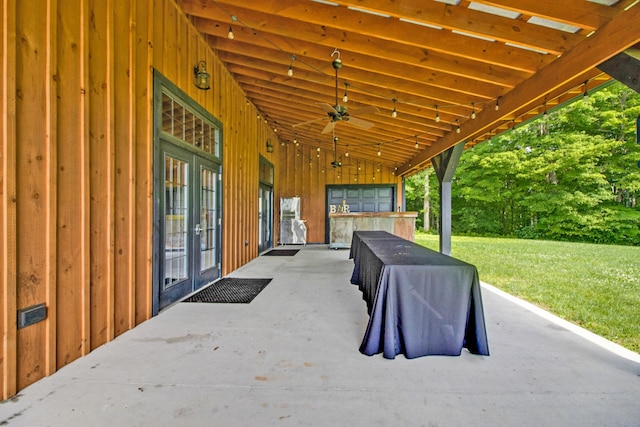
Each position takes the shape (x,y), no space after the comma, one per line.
(282,252)
(230,290)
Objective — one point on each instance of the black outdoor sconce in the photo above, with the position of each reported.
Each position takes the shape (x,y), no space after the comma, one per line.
(202,77)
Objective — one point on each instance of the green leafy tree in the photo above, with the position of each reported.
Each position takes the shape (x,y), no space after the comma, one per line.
(571,176)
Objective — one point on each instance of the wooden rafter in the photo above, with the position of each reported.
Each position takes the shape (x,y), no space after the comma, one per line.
(433,58)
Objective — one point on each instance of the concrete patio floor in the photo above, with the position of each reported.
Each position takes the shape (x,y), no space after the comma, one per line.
(291,358)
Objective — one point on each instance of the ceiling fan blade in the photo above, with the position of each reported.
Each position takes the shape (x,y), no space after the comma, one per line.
(309,122)
(371,109)
(329,127)
(360,123)
(328,108)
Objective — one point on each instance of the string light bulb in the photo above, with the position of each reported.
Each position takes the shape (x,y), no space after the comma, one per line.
(497,104)
(473,110)
(394,113)
(437,115)
(379,152)
(458,128)
(545,115)
(230,34)
(345,98)
(417,146)
(290,70)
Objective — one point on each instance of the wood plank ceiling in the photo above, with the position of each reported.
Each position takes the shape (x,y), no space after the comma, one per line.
(453,70)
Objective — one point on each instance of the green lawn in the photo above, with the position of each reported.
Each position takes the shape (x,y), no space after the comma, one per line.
(594,286)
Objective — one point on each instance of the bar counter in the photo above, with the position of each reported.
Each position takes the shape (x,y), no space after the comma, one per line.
(342,225)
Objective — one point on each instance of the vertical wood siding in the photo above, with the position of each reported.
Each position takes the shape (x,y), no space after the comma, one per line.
(305,172)
(76,212)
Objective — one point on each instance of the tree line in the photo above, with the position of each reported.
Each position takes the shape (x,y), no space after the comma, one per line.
(570,175)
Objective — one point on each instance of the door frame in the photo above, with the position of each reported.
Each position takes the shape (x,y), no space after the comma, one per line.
(265,180)
(162,84)
(266,188)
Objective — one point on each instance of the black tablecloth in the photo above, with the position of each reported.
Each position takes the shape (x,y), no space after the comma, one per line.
(420,302)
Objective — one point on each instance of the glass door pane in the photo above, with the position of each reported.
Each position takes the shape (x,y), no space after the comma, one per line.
(265,217)
(176,238)
(208,218)
(207,228)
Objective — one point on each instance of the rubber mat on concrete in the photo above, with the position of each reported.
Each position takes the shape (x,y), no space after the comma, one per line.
(282,252)
(231,290)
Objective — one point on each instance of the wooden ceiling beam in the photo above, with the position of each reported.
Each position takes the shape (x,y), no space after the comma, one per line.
(365,54)
(614,37)
(416,103)
(588,15)
(305,107)
(365,65)
(469,21)
(320,26)
(383,87)
(282,113)
(410,116)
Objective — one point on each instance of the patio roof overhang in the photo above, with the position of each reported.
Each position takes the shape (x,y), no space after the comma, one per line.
(455,71)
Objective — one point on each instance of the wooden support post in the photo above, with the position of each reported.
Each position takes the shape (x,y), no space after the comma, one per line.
(445,166)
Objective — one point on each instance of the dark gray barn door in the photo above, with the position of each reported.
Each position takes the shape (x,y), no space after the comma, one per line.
(360,198)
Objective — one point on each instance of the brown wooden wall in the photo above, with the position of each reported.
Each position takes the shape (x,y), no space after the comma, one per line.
(77,170)
(76,161)
(305,172)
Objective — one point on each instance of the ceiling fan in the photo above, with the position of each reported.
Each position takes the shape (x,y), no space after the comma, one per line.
(337,162)
(337,112)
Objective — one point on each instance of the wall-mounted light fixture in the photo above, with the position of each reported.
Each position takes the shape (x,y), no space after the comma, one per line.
(269,146)
(202,77)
